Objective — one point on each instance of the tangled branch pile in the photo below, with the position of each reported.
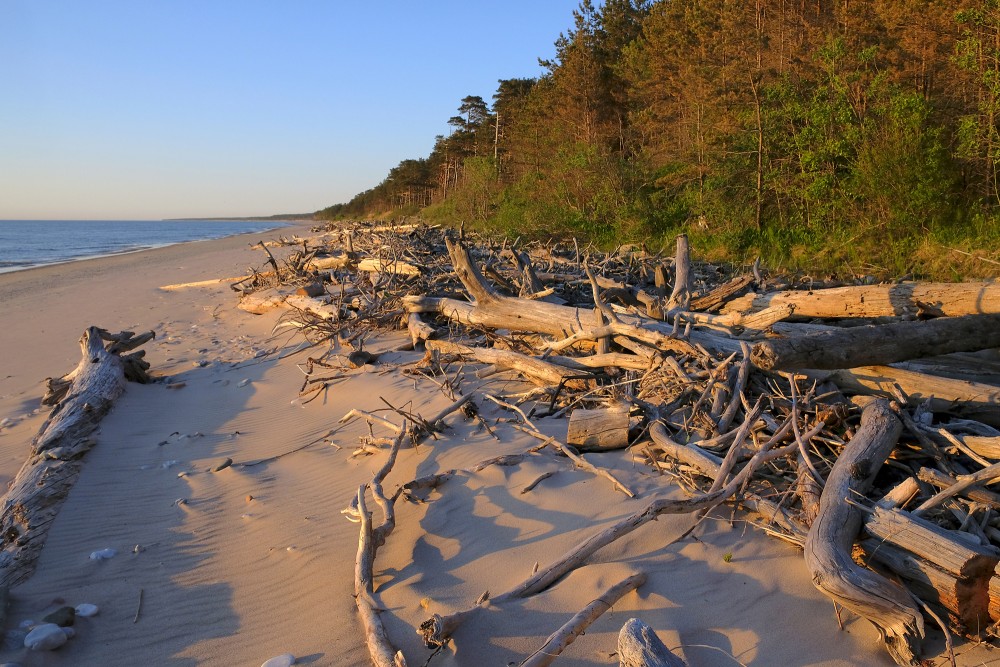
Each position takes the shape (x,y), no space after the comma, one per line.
(858,421)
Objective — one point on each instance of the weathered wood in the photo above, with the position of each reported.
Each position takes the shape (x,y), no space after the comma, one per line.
(598,430)
(538,371)
(966,594)
(380,649)
(718,296)
(639,646)
(418,329)
(974,492)
(680,296)
(879,345)
(494,309)
(378,265)
(574,627)
(53,465)
(330,262)
(557,320)
(946,592)
(945,299)
(967,399)
(831,537)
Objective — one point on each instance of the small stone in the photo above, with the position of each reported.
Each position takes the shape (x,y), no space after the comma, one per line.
(223,465)
(181,501)
(45,637)
(249,498)
(86,610)
(283,660)
(244,382)
(63,617)
(103,554)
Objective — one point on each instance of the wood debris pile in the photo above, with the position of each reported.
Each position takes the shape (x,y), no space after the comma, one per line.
(861,422)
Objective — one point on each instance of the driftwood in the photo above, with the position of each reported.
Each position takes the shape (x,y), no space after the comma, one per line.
(598,430)
(879,345)
(655,347)
(966,399)
(381,650)
(939,299)
(55,459)
(828,547)
(638,646)
(536,370)
(573,628)
(949,571)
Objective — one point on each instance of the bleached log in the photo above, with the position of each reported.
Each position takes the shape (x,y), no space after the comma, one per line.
(721,294)
(331,262)
(964,592)
(319,307)
(598,430)
(828,546)
(639,646)
(378,265)
(494,309)
(263,301)
(211,282)
(538,371)
(574,627)
(380,648)
(879,345)
(55,459)
(974,492)
(680,296)
(418,329)
(973,400)
(558,320)
(943,299)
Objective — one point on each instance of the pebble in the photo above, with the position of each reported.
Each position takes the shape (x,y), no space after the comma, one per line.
(45,637)
(63,617)
(103,554)
(244,382)
(223,465)
(283,660)
(86,610)
(26,624)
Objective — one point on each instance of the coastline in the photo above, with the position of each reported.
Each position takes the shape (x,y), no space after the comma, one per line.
(278,224)
(258,561)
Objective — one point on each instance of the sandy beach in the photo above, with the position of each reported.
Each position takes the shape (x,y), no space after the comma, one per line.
(238,566)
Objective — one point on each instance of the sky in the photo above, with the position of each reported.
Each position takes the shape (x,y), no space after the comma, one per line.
(158,109)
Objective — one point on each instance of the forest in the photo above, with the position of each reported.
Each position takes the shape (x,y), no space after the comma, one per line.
(819,135)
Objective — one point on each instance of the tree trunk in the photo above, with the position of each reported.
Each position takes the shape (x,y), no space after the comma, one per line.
(40,487)
(638,646)
(879,345)
(941,299)
(829,543)
(598,430)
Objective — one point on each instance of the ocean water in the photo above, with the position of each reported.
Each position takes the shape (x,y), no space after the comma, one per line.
(28,243)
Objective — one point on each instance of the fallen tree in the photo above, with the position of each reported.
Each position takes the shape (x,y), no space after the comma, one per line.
(82,398)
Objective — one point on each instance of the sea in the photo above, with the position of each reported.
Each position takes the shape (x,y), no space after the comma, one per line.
(29,243)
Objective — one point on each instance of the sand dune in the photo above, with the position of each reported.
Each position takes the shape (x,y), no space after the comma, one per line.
(236,566)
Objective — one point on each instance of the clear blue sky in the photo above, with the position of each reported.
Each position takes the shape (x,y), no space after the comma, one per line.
(137,109)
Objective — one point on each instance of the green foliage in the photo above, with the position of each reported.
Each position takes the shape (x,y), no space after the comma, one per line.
(844,137)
